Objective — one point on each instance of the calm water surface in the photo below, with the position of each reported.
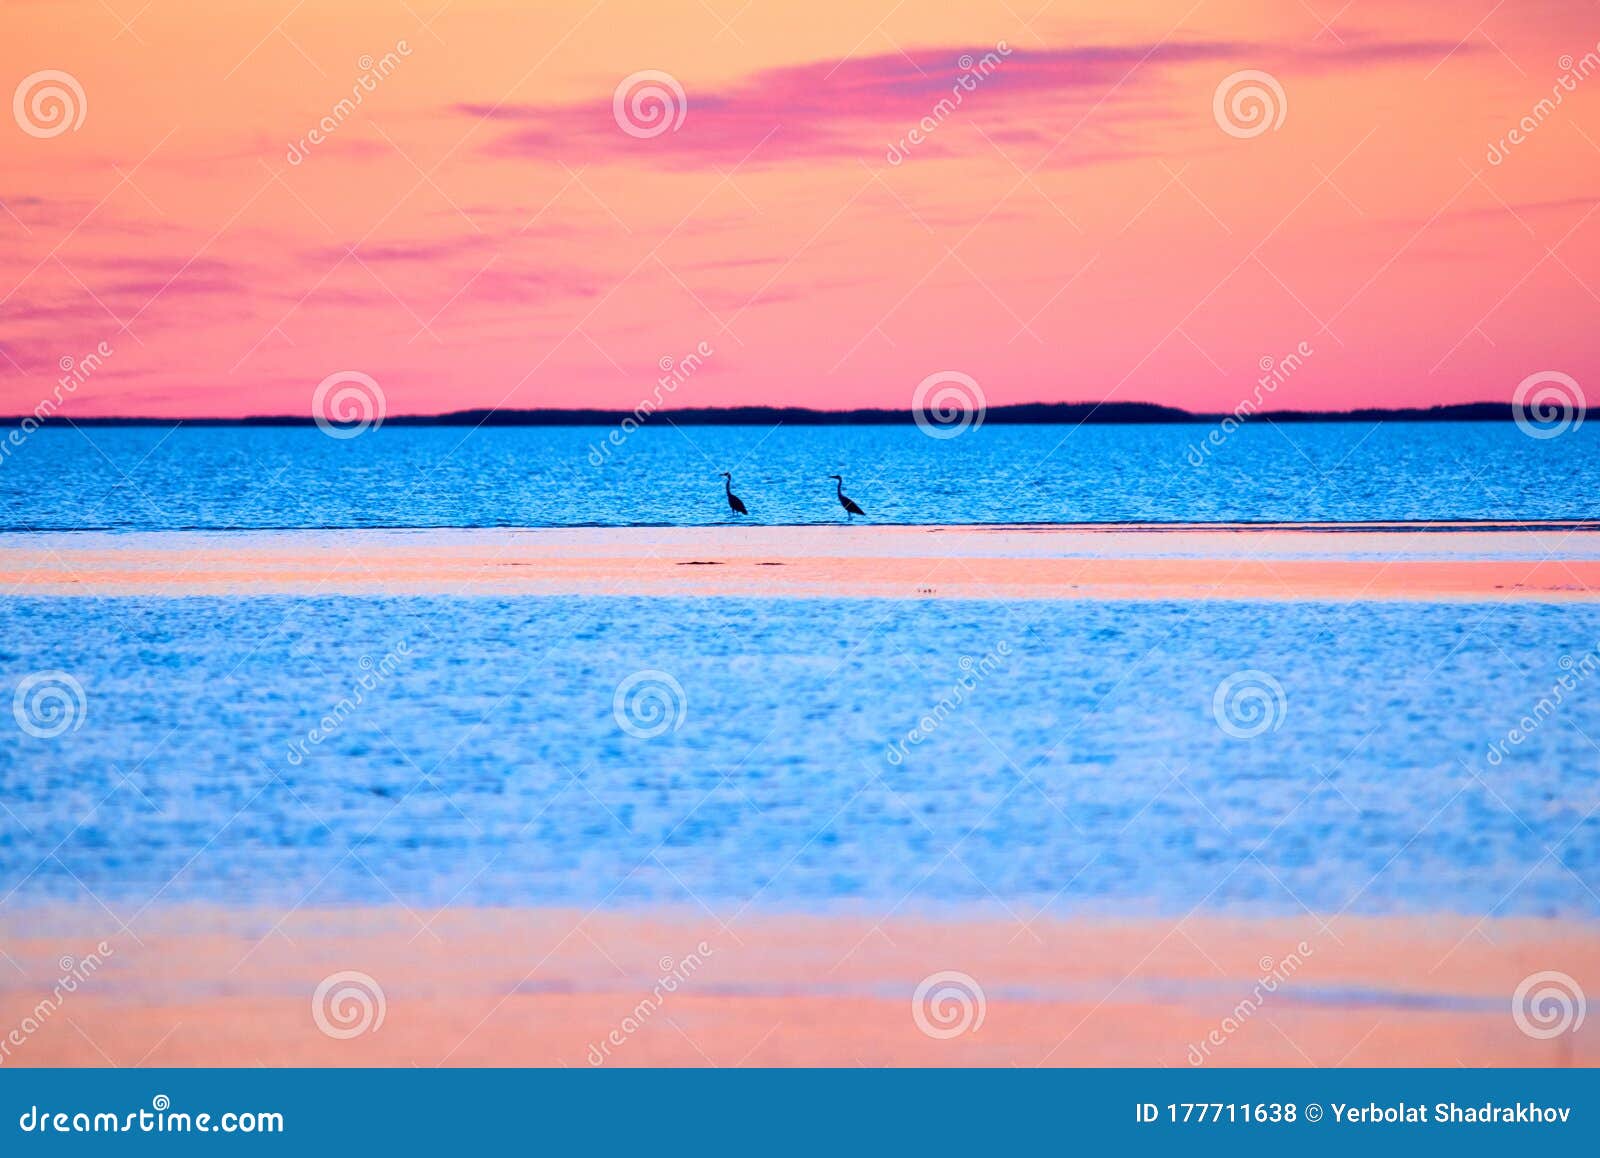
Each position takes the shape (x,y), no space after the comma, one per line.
(165,478)
(1084,769)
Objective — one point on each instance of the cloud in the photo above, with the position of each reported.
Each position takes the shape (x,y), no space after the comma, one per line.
(14,360)
(425,250)
(857,106)
(123,277)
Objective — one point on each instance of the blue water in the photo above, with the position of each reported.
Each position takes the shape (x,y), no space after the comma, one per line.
(166,478)
(1084,770)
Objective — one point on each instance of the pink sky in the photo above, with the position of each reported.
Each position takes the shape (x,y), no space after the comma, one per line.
(480,231)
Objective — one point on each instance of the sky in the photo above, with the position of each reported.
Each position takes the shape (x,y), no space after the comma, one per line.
(807,210)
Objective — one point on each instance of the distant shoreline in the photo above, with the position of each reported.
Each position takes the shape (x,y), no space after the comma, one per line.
(1024,414)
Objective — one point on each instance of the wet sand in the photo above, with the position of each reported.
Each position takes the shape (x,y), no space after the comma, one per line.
(1474,561)
(550,987)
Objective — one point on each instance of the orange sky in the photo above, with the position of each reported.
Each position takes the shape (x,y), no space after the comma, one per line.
(481,231)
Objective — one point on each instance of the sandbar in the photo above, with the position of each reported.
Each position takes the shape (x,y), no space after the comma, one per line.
(1338,562)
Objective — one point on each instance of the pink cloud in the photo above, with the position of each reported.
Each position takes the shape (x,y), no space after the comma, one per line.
(860,105)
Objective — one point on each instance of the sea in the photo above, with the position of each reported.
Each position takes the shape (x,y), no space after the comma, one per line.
(168,478)
(827,754)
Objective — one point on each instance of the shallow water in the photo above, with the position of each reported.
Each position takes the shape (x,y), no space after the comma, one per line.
(166,478)
(1084,769)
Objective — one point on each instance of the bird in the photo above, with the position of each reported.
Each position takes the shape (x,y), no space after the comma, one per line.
(735,503)
(845,501)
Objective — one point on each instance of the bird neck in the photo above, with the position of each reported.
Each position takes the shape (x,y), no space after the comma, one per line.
(727,486)
(839,485)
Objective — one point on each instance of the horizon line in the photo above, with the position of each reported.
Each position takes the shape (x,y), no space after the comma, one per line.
(1012,414)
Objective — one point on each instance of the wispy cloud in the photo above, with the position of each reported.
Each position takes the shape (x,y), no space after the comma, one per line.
(848,108)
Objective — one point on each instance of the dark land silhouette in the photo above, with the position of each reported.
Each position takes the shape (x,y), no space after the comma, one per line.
(1028,413)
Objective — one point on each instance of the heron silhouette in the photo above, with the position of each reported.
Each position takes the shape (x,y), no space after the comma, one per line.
(845,501)
(735,503)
